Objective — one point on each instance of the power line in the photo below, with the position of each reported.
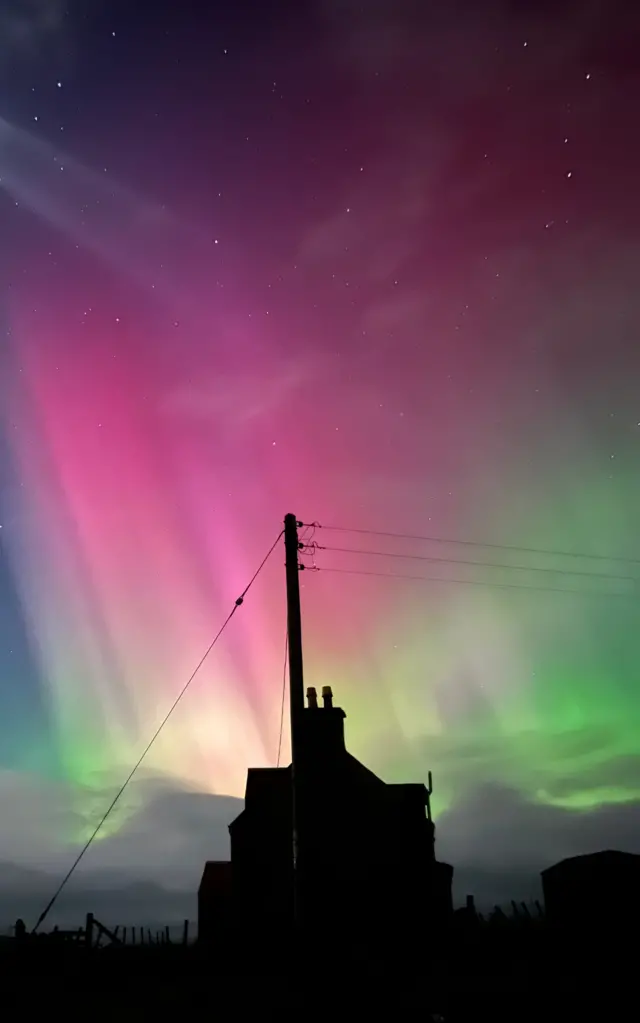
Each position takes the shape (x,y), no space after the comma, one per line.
(474,582)
(477,543)
(121,790)
(478,564)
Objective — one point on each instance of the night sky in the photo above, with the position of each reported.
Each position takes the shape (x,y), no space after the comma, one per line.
(376,263)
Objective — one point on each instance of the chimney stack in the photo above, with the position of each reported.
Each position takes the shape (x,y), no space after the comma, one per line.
(327,697)
(322,730)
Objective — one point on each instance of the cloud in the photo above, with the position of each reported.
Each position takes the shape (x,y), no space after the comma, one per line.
(169,839)
(583,767)
(164,831)
(112,900)
(149,869)
(499,842)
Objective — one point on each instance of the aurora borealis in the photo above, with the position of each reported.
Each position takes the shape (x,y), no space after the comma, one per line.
(376,265)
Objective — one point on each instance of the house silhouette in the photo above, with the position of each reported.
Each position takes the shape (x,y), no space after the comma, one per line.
(366,865)
(598,892)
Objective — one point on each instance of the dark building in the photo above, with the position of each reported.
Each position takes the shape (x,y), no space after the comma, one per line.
(591,893)
(215,890)
(366,863)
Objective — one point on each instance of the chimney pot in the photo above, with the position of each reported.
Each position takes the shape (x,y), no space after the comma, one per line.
(312,697)
(327,697)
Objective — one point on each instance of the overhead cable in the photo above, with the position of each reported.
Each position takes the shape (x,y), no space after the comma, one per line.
(477,543)
(475,564)
(603,594)
(238,603)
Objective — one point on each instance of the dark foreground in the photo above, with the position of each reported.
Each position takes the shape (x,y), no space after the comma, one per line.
(474,977)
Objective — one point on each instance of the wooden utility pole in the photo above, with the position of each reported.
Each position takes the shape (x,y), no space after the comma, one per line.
(294,630)
(296,699)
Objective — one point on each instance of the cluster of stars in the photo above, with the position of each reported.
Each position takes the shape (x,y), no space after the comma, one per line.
(357,210)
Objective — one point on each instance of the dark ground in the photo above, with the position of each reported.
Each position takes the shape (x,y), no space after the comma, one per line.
(486,976)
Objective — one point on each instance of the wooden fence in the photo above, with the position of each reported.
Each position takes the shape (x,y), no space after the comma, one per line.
(95,934)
